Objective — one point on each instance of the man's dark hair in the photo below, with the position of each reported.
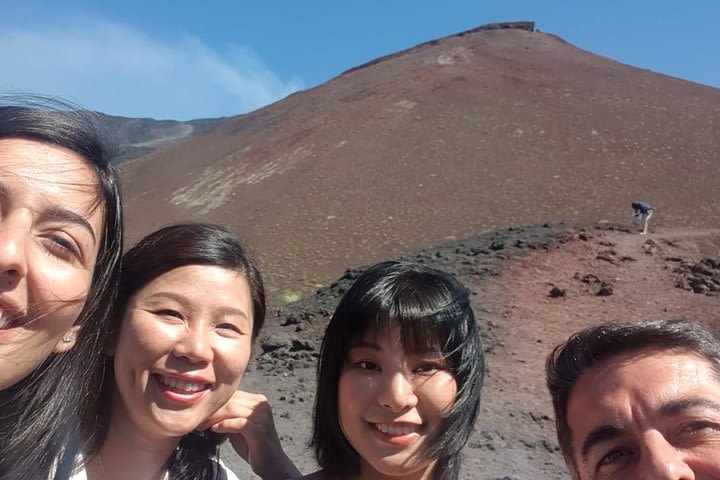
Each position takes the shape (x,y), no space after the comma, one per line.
(430,310)
(597,345)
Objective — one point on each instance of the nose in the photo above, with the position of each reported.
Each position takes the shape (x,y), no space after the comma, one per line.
(397,393)
(194,345)
(660,460)
(13,251)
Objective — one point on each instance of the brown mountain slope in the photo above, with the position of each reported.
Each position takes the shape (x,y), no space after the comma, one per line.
(453,137)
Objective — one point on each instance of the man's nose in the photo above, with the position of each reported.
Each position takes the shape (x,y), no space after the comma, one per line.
(660,460)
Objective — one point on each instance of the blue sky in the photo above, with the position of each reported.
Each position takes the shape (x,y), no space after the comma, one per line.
(187,59)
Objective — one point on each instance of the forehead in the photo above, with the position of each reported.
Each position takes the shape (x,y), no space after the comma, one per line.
(633,387)
(202,284)
(44,163)
(45,176)
(50,174)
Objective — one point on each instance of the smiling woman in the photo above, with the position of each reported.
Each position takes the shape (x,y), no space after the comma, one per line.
(60,245)
(399,377)
(191,303)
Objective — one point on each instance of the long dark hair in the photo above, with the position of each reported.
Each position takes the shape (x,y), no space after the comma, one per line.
(158,253)
(39,415)
(431,310)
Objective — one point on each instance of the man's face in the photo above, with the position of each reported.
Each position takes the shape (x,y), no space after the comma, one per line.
(647,416)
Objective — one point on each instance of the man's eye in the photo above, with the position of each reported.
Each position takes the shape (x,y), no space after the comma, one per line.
(613,457)
(704,426)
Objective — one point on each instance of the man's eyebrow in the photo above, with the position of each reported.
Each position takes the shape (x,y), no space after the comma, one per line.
(67,216)
(600,434)
(676,407)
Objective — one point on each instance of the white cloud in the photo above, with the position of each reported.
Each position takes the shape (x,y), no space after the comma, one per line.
(122,71)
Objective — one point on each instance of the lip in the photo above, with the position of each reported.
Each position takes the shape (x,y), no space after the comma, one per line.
(400,440)
(177,395)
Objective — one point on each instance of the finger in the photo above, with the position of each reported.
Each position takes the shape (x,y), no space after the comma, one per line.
(241,405)
(235,425)
(228,411)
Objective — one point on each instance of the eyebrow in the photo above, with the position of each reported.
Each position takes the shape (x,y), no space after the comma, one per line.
(600,434)
(182,300)
(669,409)
(60,214)
(66,216)
(676,407)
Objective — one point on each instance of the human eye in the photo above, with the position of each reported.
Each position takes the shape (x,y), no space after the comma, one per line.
(697,427)
(230,329)
(428,364)
(367,365)
(62,247)
(168,313)
(428,367)
(613,460)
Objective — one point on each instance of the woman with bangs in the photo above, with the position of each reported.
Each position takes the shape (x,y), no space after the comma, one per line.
(399,377)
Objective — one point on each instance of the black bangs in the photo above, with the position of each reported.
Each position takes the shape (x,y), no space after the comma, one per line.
(428,309)
(430,312)
(426,321)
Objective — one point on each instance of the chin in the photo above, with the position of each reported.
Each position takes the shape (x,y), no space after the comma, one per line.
(175,424)
(398,467)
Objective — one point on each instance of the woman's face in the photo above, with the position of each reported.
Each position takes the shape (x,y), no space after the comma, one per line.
(49,239)
(184,343)
(390,401)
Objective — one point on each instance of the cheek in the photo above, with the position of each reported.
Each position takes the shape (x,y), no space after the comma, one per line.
(54,320)
(57,300)
(355,395)
(440,392)
(141,342)
(352,390)
(56,281)
(231,360)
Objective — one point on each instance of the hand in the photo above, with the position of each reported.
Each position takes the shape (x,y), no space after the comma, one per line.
(248,420)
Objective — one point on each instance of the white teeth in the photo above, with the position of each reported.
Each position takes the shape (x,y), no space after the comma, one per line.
(396,429)
(181,384)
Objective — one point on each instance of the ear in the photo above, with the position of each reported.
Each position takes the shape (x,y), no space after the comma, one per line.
(67,341)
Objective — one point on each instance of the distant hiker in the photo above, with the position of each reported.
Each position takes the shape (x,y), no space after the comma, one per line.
(643,212)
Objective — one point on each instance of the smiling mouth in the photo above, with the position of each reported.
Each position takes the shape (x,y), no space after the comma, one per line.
(397,434)
(181,387)
(396,429)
